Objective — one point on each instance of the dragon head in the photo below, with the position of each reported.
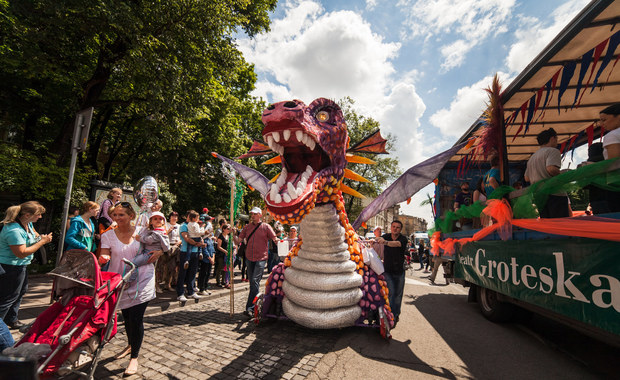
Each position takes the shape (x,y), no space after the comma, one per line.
(311,142)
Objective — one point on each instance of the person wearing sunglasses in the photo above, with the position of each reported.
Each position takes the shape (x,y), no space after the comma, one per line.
(119,244)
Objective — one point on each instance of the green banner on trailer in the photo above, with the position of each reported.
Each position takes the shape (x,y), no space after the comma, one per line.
(578,278)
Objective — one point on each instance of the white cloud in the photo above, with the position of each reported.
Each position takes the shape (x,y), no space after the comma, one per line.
(371,4)
(270,90)
(470,21)
(400,116)
(312,53)
(465,108)
(324,54)
(454,54)
(533,37)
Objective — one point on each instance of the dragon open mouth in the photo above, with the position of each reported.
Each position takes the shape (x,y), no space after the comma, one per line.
(302,161)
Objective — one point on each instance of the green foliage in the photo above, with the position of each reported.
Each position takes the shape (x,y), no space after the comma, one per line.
(35,177)
(166,79)
(385,171)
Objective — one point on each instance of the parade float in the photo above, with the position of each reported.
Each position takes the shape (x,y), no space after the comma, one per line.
(329,279)
(567,269)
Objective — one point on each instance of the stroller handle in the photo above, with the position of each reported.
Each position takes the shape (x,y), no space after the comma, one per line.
(130,271)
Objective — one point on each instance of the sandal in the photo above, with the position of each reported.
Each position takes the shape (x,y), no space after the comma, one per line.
(123,353)
(131,371)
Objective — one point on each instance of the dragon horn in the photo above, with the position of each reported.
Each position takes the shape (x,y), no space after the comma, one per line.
(359,159)
(347,190)
(350,174)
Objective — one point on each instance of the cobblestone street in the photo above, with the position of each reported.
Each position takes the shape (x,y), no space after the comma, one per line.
(201,341)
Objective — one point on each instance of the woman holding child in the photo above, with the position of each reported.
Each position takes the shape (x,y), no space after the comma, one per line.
(120,244)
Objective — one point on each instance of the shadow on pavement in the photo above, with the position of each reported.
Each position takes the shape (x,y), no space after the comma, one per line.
(368,343)
(277,346)
(477,341)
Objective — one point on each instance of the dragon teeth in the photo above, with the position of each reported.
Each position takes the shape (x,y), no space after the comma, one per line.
(310,143)
(277,199)
(276,136)
(286,197)
(273,191)
(286,134)
(299,135)
(292,192)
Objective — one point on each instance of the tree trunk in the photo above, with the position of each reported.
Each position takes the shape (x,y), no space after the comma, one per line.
(93,88)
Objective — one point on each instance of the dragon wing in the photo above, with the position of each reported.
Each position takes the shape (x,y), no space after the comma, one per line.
(251,176)
(412,181)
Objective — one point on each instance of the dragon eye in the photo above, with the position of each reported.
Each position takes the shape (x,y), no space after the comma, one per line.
(322,116)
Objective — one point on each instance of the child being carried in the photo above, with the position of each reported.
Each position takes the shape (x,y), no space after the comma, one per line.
(153,238)
(195,231)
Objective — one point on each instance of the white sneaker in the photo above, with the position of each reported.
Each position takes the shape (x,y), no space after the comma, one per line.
(195,296)
(181,299)
(201,293)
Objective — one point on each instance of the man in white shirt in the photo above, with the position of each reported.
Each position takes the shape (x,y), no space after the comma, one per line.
(545,163)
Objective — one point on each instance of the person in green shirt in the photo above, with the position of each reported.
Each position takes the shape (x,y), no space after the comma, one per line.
(18,242)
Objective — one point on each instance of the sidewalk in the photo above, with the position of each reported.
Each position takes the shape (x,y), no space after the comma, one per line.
(37,298)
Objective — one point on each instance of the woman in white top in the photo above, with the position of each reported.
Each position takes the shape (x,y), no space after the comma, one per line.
(610,121)
(120,244)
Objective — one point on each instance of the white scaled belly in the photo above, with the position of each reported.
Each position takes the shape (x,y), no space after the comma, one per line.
(322,287)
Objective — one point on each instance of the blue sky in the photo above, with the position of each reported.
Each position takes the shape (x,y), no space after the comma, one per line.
(419,67)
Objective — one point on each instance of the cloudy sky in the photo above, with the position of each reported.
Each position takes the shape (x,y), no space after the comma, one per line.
(419,67)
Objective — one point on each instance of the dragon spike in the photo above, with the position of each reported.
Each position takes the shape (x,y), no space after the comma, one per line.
(274,178)
(350,174)
(359,159)
(347,190)
(258,149)
(373,143)
(273,160)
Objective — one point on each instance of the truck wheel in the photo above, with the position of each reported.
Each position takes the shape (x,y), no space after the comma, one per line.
(493,309)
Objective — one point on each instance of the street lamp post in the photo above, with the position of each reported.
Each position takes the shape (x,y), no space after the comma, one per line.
(78,144)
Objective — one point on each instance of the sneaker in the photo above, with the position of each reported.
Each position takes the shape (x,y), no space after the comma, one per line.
(195,296)
(181,299)
(186,265)
(201,293)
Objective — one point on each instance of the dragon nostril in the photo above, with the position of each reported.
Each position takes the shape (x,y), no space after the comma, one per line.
(271,107)
(290,105)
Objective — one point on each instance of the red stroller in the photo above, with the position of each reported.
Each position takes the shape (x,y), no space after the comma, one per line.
(82,320)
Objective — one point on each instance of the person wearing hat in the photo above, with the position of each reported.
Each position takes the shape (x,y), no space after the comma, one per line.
(545,163)
(256,235)
(153,238)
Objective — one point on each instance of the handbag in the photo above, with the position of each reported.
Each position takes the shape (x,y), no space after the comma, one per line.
(243,245)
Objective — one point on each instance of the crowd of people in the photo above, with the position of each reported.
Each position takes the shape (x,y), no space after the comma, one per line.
(188,256)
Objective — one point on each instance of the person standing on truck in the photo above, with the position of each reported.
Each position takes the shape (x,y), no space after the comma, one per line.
(394,251)
(610,121)
(462,199)
(545,163)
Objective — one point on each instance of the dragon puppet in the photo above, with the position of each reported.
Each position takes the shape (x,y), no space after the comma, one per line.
(324,281)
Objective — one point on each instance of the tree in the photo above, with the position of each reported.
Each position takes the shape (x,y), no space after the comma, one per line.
(429,201)
(166,79)
(379,175)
